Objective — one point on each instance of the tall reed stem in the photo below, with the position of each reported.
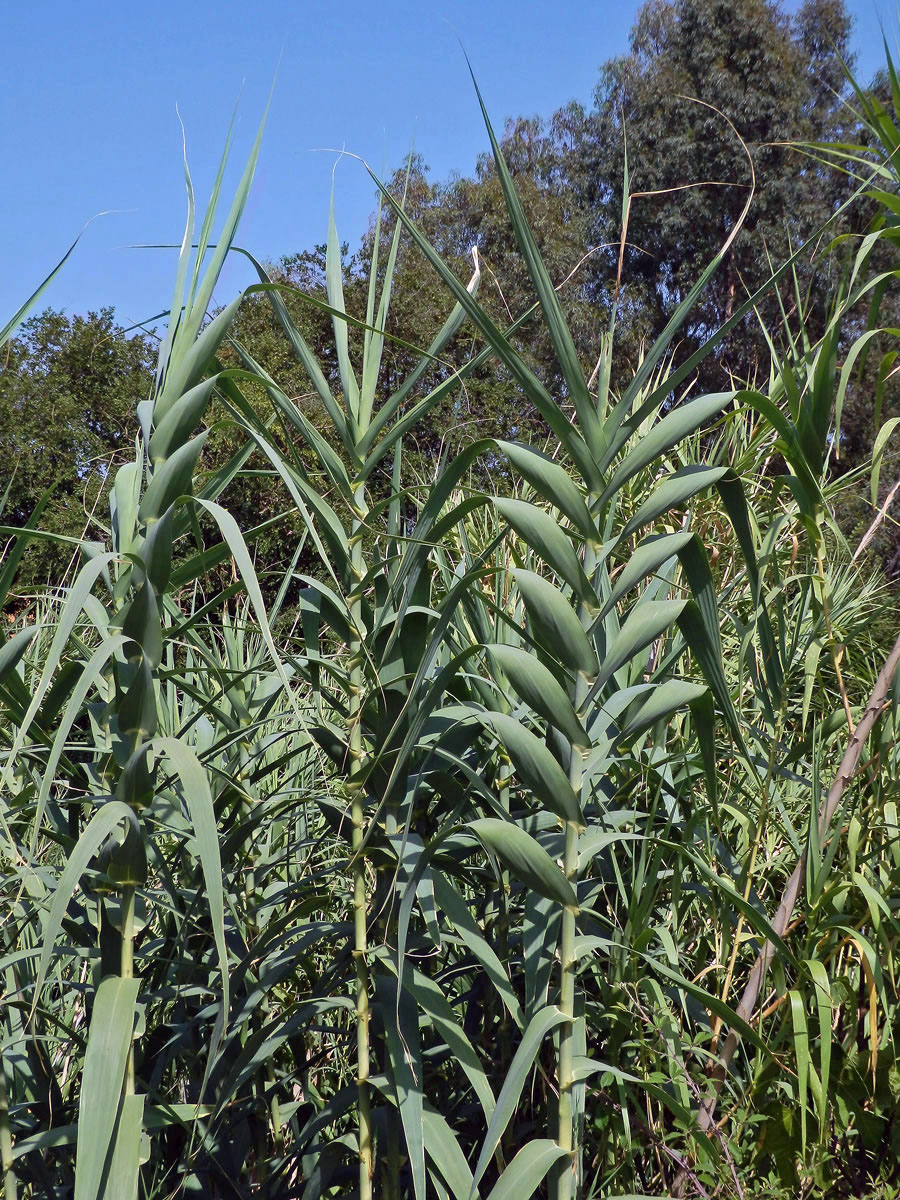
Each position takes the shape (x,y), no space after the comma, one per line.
(566,1173)
(360,933)
(126,969)
(565,1179)
(6,1149)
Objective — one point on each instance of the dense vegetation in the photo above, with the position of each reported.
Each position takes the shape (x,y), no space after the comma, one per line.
(392,813)
(779,78)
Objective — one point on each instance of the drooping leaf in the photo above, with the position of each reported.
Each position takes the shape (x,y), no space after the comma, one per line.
(704,646)
(526,859)
(536,684)
(536,767)
(434,1004)
(666,433)
(540,937)
(646,622)
(527,1171)
(666,698)
(648,557)
(12,651)
(452,905)
(824,1010)
(197,797)
(551,481)
(98,829)
(555,622)
(673,492)
(405,1067)
(444,1151)
(513,1085)
(545,537)
(801,1051)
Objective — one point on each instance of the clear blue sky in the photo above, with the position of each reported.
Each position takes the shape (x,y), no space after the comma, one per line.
(88,93)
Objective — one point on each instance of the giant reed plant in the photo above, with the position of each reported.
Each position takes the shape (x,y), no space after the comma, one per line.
(94,743)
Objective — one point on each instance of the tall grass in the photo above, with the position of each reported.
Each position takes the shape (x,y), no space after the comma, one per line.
(460,886)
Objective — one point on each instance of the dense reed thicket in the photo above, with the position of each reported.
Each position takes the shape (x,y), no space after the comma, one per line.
(551,849)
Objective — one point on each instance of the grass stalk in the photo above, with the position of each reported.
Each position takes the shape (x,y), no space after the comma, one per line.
(566,1171)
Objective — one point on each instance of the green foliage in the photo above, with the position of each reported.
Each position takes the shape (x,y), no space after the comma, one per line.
(510,865)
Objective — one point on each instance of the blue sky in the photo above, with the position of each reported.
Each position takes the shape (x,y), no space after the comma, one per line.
(88,94)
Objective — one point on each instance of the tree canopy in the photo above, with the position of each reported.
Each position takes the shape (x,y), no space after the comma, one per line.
(713,100)
(68,390)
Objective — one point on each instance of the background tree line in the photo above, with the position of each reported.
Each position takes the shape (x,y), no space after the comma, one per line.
(706,89)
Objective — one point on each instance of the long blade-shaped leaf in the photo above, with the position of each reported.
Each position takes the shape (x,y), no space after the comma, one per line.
(560,336)
(516,1077)
(526,1172)
(528,861)
(109,1040)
